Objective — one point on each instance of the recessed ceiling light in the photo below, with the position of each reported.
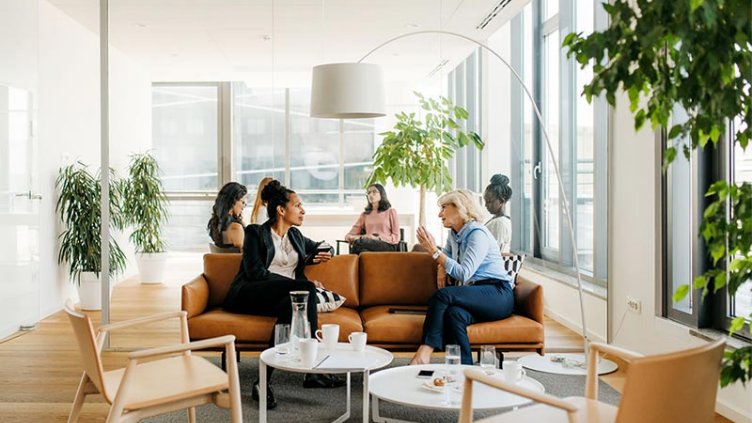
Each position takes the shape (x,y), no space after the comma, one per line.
(412,26)
(267,37)
(141,25)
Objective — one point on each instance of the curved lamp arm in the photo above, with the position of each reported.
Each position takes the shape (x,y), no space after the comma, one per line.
(565,200)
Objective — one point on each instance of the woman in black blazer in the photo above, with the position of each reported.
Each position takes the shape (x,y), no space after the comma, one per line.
(274,259)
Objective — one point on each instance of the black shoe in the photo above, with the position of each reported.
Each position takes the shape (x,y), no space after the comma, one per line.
(319,380)
(271,403)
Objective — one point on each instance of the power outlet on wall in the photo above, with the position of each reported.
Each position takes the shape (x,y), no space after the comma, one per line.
(634,305)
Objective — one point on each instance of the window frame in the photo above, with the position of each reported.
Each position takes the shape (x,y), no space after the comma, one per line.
(559,258)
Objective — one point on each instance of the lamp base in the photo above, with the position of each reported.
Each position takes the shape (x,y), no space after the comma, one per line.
(564,364)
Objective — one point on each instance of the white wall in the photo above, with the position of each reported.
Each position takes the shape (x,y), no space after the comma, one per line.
(68,127)
(634,253)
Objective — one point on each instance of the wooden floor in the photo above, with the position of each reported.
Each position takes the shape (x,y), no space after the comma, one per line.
(41,369)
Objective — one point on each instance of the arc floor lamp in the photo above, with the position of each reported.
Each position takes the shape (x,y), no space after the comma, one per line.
(356,91)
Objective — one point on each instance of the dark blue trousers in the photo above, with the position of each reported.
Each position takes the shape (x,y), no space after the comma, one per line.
(452,309)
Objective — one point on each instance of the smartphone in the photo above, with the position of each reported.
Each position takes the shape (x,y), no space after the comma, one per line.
(323,248)
(425,374)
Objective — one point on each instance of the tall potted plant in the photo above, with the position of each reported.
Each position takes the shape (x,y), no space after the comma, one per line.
(696,54)
(78,206)
(145,208)
(415,152)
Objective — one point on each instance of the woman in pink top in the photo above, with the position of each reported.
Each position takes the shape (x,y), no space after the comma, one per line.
(377,228)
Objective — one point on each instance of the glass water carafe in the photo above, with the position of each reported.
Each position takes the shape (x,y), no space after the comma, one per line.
(299,327)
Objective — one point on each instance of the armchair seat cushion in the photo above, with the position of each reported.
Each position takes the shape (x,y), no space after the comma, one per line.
(391,328)
(514,329)
(217,322)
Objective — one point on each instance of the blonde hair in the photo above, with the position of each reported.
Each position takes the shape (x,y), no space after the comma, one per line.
(258,204)
(468,207)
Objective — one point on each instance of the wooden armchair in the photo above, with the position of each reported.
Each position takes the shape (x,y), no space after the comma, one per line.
(147,387)
(679,387)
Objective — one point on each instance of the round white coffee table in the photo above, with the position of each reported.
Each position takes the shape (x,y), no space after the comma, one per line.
(343,360)
(400,385)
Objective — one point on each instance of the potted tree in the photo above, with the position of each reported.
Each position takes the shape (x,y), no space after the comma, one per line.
(78,206)
(415,152)
(145,208)
(698,55)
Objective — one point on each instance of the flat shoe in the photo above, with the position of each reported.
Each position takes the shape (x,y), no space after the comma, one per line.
(271,403)
(315,380)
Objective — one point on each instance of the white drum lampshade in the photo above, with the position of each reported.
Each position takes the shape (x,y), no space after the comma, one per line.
(347,91)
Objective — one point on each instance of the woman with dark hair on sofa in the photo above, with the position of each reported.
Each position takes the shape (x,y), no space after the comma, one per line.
(274,259)
(482,289)
(496,196)
(377,228)
(225,224)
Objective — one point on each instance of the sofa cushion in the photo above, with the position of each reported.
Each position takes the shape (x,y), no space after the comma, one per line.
(347,319)
(328,300)
(220,270)
(340,274)
(512,330)
(391,328)
(396,278)
(217,322)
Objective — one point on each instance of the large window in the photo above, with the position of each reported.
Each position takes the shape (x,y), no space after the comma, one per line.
(207,134)
(464,91)
(684,253)
(577,132)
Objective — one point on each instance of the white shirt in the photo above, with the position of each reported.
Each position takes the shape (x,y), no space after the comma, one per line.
(501,228)
(285,257)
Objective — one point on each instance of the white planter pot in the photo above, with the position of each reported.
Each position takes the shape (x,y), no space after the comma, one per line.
(151,267)
(90,291)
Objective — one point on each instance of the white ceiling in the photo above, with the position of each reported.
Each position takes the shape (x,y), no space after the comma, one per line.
(277,42)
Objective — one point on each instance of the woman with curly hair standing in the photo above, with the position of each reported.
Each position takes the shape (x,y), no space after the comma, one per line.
(225,226)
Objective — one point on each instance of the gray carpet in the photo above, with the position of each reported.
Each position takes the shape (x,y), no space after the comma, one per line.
(324,405)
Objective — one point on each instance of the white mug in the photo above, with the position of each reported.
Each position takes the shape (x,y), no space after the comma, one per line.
(358,340)
(308,349)
(512,371)
(328,335)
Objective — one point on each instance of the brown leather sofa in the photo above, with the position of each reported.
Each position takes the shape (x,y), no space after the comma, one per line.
(372,283)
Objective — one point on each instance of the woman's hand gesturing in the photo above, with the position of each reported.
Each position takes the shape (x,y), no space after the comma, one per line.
(426,239)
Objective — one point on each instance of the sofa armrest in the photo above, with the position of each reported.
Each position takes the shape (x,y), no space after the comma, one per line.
(194,296)
(528,299)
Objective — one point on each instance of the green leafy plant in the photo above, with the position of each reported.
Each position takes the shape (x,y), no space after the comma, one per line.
(78,206)
(696,54)
(145,204)
(416,152)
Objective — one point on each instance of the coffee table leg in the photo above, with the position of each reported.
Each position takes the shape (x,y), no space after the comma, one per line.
(346,416)
(377,417)
(366,396)
(262,392)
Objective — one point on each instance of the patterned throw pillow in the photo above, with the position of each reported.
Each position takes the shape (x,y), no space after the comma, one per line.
(513,264)
(328,300)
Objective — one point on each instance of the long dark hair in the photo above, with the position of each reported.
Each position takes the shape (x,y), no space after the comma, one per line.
(221,218)
(274,195)
(384,203)
(499,188)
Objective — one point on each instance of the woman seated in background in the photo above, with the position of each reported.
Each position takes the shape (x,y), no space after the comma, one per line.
(377,228)
(482,289)
(497,193)
(257,215)
(274,259)
(225,224)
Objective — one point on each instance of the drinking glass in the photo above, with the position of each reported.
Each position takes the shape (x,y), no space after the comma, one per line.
(452,360)
(282,338)
(488,358)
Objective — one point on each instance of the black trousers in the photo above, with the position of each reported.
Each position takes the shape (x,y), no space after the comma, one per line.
(367,244)
(272,298)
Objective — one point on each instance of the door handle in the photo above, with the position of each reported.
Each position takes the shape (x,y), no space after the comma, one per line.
(537,170)
(30,195)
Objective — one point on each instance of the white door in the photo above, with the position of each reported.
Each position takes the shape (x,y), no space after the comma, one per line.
(19,212)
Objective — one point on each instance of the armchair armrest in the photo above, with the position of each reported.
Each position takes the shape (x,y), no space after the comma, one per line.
(189,346)
(472,375)
(194,296)
(140,321)
(591,381)
(528,299)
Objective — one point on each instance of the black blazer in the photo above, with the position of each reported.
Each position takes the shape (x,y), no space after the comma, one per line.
(258,252)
